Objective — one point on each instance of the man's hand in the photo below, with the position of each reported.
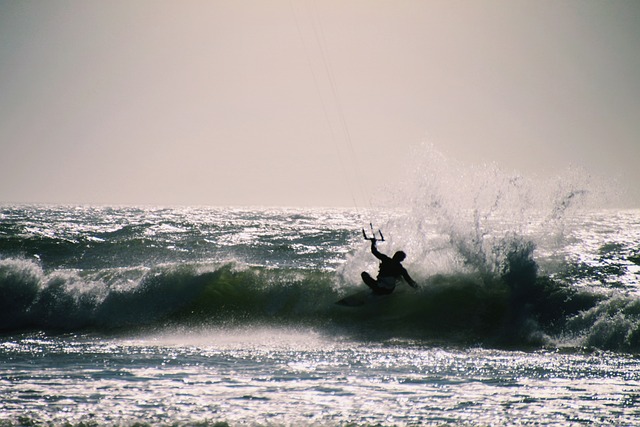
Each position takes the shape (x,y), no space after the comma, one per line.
(364,234)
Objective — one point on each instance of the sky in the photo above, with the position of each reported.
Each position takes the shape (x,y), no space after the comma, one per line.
(307,102)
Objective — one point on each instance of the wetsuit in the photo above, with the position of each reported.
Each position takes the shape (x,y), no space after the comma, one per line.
(390,272)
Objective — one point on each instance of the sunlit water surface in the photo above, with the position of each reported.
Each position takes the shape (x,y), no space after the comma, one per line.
(289,377)
(172,298)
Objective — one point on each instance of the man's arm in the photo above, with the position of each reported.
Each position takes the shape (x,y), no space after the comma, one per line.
(410,281)
(374,250)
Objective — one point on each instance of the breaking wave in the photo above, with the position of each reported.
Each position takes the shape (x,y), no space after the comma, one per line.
(516,308)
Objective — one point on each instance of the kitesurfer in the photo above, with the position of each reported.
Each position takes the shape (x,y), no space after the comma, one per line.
(390,273)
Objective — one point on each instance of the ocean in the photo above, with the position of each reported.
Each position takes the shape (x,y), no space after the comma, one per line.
(204,316)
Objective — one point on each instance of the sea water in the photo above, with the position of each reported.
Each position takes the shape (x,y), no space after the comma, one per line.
(527,314)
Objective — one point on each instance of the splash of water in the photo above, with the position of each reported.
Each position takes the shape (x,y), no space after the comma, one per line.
(480,233)
(453,217)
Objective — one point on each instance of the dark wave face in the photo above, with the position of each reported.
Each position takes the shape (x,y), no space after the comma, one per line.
(115,269)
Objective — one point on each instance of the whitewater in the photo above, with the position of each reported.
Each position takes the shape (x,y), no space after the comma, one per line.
(527,311)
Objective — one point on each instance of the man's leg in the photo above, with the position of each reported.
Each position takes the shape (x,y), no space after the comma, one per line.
(374,285)
(370,281)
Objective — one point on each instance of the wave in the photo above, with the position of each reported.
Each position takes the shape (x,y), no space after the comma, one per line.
(130,297)
(515,307)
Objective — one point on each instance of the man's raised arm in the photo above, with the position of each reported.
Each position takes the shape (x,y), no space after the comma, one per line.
(374,250)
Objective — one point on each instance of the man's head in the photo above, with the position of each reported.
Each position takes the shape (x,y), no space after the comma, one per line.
(399,256)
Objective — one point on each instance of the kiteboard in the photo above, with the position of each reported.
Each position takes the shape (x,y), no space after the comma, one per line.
(361,298)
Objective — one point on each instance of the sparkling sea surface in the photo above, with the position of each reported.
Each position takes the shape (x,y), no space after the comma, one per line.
(125,316)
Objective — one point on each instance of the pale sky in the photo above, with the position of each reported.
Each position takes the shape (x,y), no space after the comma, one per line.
(306,102)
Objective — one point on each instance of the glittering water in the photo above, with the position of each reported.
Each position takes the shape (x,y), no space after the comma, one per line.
(198,316)
(289,377)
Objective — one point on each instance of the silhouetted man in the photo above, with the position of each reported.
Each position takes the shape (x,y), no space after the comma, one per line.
(389,274)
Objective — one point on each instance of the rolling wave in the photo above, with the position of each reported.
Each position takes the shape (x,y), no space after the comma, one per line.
(516,307)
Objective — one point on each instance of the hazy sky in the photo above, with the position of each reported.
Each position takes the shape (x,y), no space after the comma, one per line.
(272,102)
